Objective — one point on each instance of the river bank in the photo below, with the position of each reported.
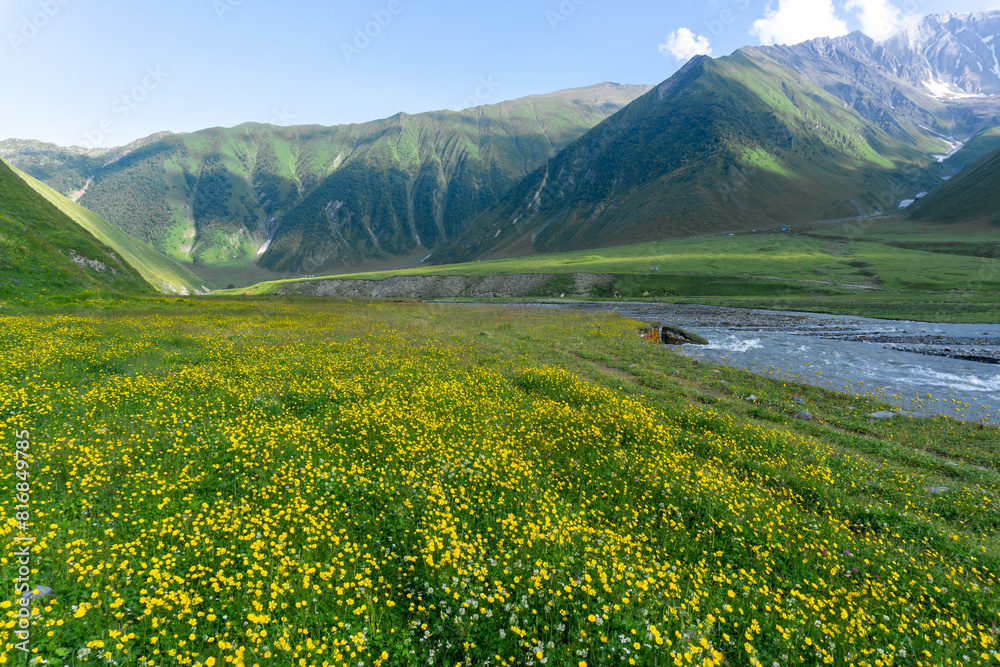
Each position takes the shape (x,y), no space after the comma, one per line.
(925,368)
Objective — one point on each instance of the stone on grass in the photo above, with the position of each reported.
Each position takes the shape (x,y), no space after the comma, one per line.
(752,398)
(39,593)
(882,414)
(798,400)
(804,415)
(938,489)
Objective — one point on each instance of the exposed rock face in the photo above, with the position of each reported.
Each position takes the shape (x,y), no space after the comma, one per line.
(950,54)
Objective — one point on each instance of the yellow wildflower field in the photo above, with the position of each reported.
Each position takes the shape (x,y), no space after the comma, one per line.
(359,484)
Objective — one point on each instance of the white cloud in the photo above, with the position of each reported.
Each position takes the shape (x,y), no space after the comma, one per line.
(684,45)
(880,19)
(796,21)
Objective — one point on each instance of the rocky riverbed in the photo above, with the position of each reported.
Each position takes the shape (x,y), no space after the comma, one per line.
(924,368)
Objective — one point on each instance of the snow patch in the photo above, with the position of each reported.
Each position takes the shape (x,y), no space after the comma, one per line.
(906,202)
(943,91)
(987,40)
(957,146)
(263,248)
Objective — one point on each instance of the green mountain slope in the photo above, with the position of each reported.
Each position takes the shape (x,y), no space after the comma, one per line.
(67,169)
(304,198)
(44,253)
(740,142)
(971,197)
(165,274)
(976,148)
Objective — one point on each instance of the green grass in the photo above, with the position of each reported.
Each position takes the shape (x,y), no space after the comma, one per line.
(872,267)
(298,481)
(163,273)
(44,255)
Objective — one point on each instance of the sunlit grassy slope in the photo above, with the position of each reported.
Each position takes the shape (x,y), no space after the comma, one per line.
(44,254)
(885,263)
(159,270)
(306,483)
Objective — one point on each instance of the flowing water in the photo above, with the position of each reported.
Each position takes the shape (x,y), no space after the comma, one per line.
(928,368)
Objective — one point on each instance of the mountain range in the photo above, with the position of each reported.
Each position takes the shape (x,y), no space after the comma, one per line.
(767,136)
(303,198)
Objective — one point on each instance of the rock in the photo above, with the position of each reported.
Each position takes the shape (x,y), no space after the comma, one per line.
(883,414)
(938,489)
(804,416)
(486,333)
(39,593)
(798,400)
(676,336)
(752,398)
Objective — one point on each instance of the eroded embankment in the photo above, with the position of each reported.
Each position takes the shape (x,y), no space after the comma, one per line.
(450,287)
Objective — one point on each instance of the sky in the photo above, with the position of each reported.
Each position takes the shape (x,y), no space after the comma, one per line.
(106,72)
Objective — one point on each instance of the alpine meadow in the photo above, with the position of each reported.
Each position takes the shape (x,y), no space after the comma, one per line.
(698,370)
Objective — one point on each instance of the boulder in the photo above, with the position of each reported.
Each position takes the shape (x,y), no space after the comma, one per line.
(804,416)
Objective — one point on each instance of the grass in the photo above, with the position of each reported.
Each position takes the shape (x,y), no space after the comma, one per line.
(285,482)
(159,270)
(872,267)
(46,256)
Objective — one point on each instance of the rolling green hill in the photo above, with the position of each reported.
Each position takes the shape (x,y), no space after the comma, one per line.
(44,253)
(299,199)
(729,144)
(971,197)
(164,273)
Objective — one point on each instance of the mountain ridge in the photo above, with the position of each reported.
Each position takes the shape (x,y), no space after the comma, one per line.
(263,194)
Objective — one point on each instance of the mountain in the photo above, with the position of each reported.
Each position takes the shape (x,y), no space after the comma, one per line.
(734,143)
(951,55)
(43,253)
(67,170)
(307,198)
(938,78)
(971,197)
(165,274)
(972,150)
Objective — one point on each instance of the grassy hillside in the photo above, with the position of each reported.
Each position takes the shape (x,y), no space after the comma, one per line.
(275,483)
(975,149)
(729,144)
(163,273)
(297,199)
(971,197)
(46,255)
(875,267)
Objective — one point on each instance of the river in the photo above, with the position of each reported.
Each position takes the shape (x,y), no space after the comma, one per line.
(926,368)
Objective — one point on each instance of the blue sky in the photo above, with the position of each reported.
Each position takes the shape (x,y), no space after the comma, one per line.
(106,72)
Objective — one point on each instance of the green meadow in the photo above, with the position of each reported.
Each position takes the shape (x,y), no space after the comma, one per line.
(274,481)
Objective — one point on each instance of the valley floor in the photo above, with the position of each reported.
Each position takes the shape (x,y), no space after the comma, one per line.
(311,481)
